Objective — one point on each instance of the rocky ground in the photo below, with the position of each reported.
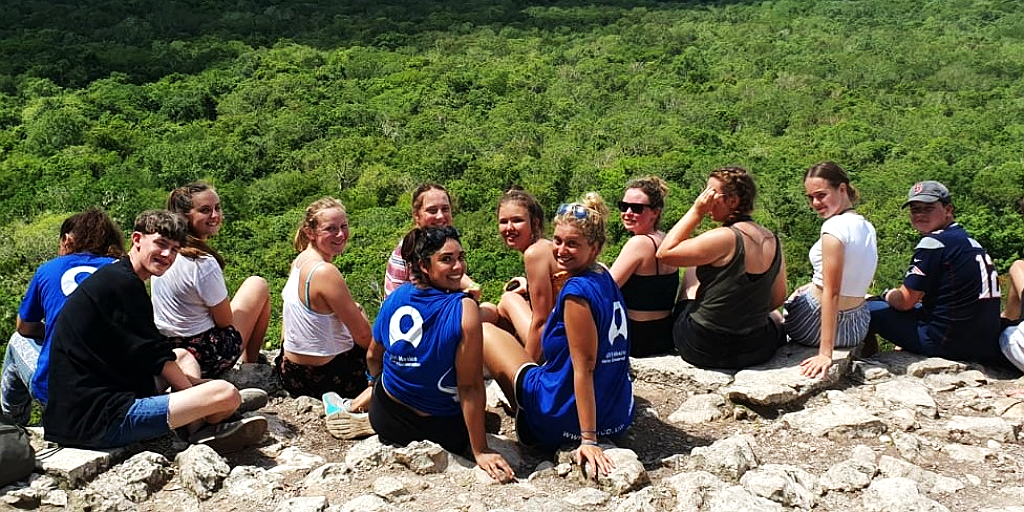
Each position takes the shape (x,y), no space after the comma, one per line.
(894,432)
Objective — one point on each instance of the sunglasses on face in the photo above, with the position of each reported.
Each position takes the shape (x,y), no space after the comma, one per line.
(638,208)
(575,209)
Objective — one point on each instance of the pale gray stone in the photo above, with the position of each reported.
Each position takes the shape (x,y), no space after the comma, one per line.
(253,482)
(863,453)
(136,479)
(308,406)
(391,489)
(295,457)
(898,495)
(509,449)
(368,454)
(785,484)
(904,419)
(736,498)
(907,393)
(1010,409)
(628,475)
(648,499)
(587,497)
(42,482)
(76,466)
(866,372)
(836,421)
(672,369)
(966,453)
(201,470)
(423,457)
(495,396)
(934,365)
(693,489)
(99,501)
(55,498)
(727,458)
(327,475)
(24,498)
(779,381)
(980,429)
(973,378)
(848,475)
(699,409)
(891,467)
(303,504)
(365,503)
(909,446)
(254,375)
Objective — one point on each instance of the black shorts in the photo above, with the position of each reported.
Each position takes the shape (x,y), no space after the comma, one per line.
(523,432)
(344,375)
(397,424)
(705,348)
(651,337)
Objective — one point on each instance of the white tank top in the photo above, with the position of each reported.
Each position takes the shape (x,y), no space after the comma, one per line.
(305,331)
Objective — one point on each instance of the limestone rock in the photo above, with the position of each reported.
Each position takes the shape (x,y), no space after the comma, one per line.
(867,372)
(136,479)
(693,489)
(966,453)
(423,457)
(629,474)
(779,382)
(930,481)
(292,460)
(253,482)
(848,475)
(1010,409)
(398,489)
(303,504)
(733,499)
(97,501)
(509,449)
(785,484)
(588,497)
(727,458)
(934,365)
(495,396)
(898,495)
(201,470)
(699,409)
(864,454)
(55,498)
(308,407)
(327,476)
(24,498)
(836,421)
(672,369)
(648,499)
(980,429)
(75,466)
(909,446)
(365,503)
(908,393)
(368,454)
(43,482)
(904,419)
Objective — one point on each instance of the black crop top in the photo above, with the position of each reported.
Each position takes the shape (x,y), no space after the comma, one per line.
(651,293)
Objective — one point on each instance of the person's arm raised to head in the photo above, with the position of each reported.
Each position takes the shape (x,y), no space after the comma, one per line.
(679,250)
(537,261)
(581,331)
(470,378)
(329,284)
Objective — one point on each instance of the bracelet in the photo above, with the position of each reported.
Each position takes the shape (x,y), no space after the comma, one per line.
(587,442)
(369,377)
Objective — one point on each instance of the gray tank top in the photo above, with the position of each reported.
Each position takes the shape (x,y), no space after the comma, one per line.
(732,301)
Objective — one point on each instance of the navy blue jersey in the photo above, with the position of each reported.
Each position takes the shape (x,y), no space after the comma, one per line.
(961,290)
(420,330)
(50,287)
(549,398)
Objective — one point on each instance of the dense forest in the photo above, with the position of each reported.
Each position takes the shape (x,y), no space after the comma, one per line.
(115,102)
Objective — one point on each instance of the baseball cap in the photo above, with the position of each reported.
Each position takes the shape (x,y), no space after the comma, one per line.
(928,192)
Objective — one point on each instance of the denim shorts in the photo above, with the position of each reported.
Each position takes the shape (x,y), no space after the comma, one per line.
(147,418)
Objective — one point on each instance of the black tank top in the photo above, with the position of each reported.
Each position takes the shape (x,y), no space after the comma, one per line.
(732,301)
(651,293)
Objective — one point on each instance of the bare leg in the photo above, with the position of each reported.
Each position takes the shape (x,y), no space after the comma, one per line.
(188,364)
(250,310)
(1012,310)
(361,403)
(516,309)
(489,313)
(690,283)
(503,356)
(212,401)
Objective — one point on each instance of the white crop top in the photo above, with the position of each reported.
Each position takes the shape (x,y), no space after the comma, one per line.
(860,252)
(183,295)
(305,331)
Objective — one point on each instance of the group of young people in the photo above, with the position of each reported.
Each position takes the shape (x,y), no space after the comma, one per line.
(126,366)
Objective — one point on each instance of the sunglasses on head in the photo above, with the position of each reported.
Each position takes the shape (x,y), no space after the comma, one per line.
(575,209)
(637,208)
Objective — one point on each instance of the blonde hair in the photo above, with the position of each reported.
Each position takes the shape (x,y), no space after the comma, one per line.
(311,220)
(589,216)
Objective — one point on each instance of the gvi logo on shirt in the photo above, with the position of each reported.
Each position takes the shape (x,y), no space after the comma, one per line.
(69,280)
(414,334)
(619,326)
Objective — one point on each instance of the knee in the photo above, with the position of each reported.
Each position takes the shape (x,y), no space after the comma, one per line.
(224,393)
(258,286)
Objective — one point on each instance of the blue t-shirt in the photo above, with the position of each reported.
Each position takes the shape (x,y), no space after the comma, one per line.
(549,397)
(961,292)
(421,330)
(50,287)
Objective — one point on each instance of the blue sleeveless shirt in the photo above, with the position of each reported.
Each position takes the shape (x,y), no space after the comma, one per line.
(420,330)
(549,398)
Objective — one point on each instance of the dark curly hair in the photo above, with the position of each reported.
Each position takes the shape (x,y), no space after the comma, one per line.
(421,243)
(738,183)
(92,231)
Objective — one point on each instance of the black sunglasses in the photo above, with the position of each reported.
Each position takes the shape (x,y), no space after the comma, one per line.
(638,208)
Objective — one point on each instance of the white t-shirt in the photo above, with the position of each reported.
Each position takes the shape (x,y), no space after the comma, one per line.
(860,252)
(183,296)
